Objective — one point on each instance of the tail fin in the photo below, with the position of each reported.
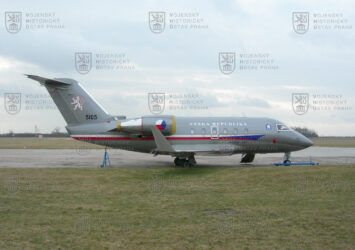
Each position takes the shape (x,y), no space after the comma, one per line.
(74,103)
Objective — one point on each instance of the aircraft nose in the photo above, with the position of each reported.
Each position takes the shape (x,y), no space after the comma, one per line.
(304,141)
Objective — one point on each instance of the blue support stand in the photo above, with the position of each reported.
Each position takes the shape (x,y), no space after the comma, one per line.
(295,164)
(106,160)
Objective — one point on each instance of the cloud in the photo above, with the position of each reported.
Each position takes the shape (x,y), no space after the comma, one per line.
(185,61)
(14,65)
(253,102)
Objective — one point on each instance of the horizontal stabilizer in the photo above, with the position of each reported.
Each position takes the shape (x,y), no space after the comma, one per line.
(162,143)
(47,81)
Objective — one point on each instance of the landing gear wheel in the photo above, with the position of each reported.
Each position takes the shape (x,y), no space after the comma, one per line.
(247,158)
(287,162)
(192,160)
(185,162)
(180,162)
(176,161)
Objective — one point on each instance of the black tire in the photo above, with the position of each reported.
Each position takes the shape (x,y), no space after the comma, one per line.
(247,158)
(287,162)
(179,162)
(187,164)
(176,162)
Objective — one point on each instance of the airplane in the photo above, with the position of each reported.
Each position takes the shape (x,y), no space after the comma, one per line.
(179,137)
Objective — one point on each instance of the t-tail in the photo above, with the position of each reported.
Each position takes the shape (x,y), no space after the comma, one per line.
(75,104)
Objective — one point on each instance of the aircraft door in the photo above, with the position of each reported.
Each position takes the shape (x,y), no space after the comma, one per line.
(214,132)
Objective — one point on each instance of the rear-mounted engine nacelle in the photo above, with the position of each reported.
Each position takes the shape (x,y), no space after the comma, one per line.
(142,126)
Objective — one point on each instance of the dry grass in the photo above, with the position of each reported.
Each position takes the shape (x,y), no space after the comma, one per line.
(345,142)
(44,143)
(263,207)
(68,143)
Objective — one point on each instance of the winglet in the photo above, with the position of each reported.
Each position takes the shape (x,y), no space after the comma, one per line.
(162,143)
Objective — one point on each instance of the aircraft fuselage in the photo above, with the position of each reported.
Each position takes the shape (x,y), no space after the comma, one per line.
(201,135)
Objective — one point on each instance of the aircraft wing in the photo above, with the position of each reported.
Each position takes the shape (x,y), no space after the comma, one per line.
(164,147)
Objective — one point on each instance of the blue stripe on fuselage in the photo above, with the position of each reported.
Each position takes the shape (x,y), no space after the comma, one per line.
(243,137)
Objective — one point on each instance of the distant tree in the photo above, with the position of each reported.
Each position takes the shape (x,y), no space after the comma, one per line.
(56,130)
(306,131)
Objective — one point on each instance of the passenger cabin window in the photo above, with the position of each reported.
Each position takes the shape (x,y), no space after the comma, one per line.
(282,127)
(192,131)
(225,131)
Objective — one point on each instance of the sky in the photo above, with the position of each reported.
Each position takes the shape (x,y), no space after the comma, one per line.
(275,67)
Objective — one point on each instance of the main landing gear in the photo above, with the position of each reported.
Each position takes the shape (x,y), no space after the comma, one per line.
(185,161)
(247,158)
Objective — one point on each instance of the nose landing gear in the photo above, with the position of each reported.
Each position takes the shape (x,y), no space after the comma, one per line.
(287,162)
(287,158)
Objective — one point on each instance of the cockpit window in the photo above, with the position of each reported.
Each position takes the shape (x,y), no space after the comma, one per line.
(282,127)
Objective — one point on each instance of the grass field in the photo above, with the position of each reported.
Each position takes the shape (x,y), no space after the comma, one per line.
(44,143)
(347,142)
(68,143)
(197,208)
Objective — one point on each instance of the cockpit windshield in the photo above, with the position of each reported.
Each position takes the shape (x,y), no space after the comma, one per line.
(282,127)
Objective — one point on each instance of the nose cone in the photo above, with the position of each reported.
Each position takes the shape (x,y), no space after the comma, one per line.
(304,142)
